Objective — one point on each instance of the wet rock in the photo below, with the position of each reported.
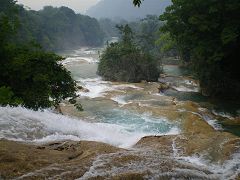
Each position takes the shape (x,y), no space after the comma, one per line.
(27,161)
(162,87)
(58,109)
(159,155)
(79,87)
(161,143)
(217,147)
(83,89)
(130,176)
(144,81)
(74,156)
(163,75)
(40,147)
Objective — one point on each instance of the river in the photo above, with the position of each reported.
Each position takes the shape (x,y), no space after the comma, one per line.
(185,136)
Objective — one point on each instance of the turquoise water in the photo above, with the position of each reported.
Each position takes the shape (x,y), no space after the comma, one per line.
(112,114)
(107,111)
(144,123)
(133,122)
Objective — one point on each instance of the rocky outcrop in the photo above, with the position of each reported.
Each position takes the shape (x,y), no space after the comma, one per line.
(65,160)
(83,89)
(162,87)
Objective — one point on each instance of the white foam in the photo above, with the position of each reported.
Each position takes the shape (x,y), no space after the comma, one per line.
(80,50)
(125,86)
(182,88)
(230,169)
(90,59)
(79,59)
(158,94)
(153,162)
(120,100)
(223,114)
(194,160)
(90,52)
(190,82)
(96,87)
(210,120)
(27,125)
(202,109)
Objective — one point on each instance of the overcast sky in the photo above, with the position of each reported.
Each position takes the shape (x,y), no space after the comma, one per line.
(79,6)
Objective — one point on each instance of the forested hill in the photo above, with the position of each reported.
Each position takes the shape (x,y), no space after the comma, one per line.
(58,28)
(114,9)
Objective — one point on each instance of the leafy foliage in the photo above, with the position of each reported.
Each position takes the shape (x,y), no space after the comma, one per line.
(7,97)
(207,34)
(29,76)
(124,61)
(58,28)
(137,2)
(166,44)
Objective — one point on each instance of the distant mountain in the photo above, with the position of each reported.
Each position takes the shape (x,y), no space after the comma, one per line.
(124,9)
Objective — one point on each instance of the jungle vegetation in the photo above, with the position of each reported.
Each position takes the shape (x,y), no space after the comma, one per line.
(29,76)
(207,37)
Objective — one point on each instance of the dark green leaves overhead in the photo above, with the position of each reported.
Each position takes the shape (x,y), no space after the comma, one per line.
(137,2)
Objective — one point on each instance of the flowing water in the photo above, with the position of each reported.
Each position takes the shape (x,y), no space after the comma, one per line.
(121,114)
(113,125)
(226,110)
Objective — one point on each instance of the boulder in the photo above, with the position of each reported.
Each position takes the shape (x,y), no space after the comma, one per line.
(81,88)
(162,87)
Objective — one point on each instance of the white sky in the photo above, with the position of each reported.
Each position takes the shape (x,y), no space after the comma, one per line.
(79,6)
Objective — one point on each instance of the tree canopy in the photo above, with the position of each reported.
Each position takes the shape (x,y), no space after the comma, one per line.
(207,37)
(29,76)
(207,34)
(58,28)
(125,61)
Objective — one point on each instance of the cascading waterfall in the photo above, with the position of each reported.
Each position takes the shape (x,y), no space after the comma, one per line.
(117,126)
(122,129)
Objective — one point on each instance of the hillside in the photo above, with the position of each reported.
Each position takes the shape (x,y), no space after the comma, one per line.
(113,9)
(58,28)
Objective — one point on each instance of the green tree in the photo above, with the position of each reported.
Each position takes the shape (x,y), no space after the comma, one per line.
(58,28)
(207,34)
(166,44)
(124,61)
(147,33)
(29,76)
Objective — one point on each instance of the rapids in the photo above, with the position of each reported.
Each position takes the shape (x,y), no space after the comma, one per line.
(118,128)
(185,139)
